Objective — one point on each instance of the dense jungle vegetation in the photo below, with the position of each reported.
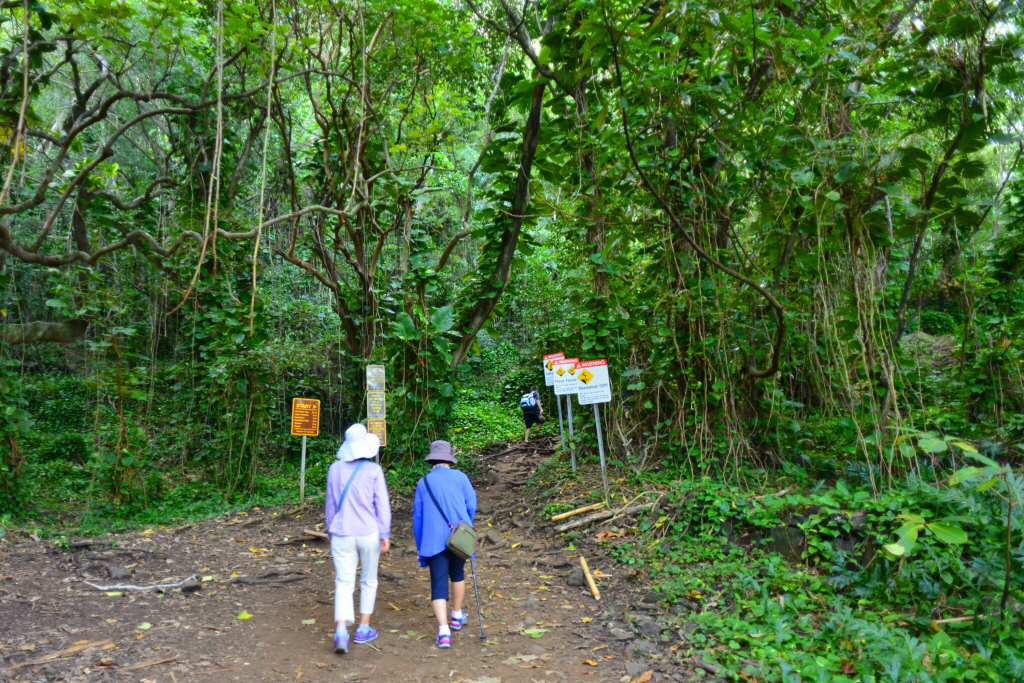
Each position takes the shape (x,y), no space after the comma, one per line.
(794,228)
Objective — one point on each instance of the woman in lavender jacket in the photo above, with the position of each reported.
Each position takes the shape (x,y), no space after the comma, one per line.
(360,530)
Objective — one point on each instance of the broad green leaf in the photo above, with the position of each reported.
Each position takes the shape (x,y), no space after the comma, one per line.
(308,622)
(947,533)
(986,485)
(443,319)
(244,615)
(963,475)
(895,549)
(535,632)
(404,328)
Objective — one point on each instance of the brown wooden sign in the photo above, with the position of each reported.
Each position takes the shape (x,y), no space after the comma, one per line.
(306,417)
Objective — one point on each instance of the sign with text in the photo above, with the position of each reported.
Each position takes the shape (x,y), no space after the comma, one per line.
(380,428)
(565,376)
(305,417)
(375,405)
(593,383)
(549,367)
(375,378)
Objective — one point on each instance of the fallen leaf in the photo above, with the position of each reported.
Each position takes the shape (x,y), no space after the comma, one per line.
(109,646)
(240,540)
(106,661)
(591,662)
(147,532)
(605,535)
(308,622)
(114,594)
(145,626)
(586,620)
(323,666)
(599,647)
(254,549)
(848,668)
(535,632)
(245,615)
(207,578)
(32,648)
(111,621)
(516,545)
(77,642)
(644,677)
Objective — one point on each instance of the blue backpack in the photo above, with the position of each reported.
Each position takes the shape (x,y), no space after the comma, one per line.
(528,400)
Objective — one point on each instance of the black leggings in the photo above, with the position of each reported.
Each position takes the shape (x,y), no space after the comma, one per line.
(444,566)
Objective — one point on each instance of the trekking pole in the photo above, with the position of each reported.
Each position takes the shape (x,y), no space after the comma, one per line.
(479,612)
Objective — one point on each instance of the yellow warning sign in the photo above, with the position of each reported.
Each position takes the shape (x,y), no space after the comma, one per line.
(586,376)
(572,370)
(560,371)
(551,365)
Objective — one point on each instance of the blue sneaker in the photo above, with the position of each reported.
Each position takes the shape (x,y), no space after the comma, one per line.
(444,641)
(341,642)
(457,621)
(365,634)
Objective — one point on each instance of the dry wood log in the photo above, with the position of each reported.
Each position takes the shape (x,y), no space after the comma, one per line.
(62,653)
(514,449)
(590,578)
(706,666)
(577,511)
(318,534)
(145,664)
(298,539)
(601,516)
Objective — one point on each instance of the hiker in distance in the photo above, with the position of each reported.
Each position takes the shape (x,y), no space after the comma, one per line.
(444,499)
(533,411)
(359,524)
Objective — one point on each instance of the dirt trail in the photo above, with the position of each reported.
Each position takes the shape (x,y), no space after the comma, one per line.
(53,627)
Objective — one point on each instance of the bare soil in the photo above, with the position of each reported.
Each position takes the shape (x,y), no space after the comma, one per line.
(56,627)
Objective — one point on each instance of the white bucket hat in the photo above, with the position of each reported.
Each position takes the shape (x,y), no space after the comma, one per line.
(358,444)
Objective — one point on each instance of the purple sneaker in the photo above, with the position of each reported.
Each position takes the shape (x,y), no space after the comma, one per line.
(444,641)
(341,642)
(365,634)
(457,622)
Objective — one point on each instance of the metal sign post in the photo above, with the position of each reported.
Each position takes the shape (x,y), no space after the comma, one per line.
(600,451)
(305,422)
(561,429)
(563,371)
(595,387)
(548,366)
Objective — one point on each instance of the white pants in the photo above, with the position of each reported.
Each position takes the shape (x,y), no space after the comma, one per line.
(348,551)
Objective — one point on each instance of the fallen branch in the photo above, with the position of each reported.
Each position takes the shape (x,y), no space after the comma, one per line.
(590,578)
(298,539)
(957,620)
(710,668)
(318,534)
(144,665)
(602,516)
(577,511)
(270,577)
(160,586)
(62,653)
(513,449)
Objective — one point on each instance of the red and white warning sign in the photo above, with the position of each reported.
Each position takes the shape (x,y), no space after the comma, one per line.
(593,385)
(565,376)
(549,367)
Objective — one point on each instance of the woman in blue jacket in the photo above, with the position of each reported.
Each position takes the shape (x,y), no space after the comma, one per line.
(450,491)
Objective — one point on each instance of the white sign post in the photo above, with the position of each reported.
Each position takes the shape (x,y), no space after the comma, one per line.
(593,388)
(549,380)
(565,385)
